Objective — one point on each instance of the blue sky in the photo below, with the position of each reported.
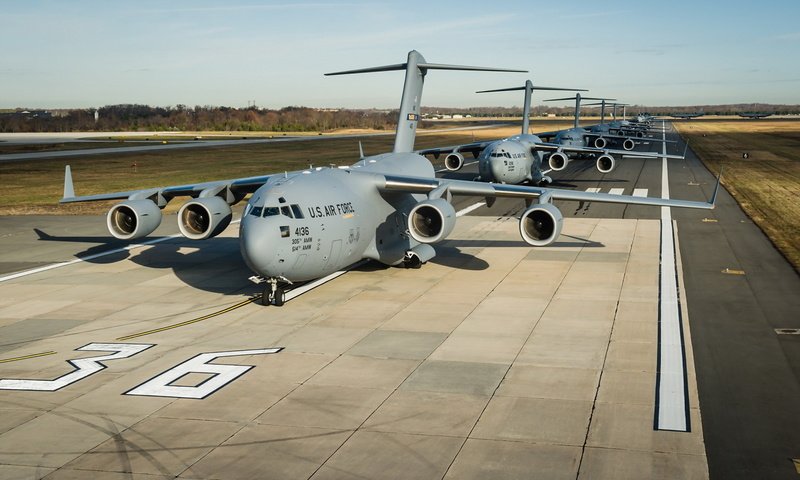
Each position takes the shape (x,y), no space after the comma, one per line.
(63,54)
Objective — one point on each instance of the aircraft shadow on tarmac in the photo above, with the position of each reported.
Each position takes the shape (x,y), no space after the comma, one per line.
(213,265)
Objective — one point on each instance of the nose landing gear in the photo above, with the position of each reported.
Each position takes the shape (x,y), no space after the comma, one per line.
(274,290)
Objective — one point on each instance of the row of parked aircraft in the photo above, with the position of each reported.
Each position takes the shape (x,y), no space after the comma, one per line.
(391,208)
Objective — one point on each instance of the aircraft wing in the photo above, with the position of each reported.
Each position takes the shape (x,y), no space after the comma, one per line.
(162,195)
(473,148)
(625,137)
(557,147)
(491,190)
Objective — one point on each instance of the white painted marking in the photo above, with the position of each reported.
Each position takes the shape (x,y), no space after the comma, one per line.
(593,190)
(616,191)
(84,366)
(222,375)
(639,192)
(465,165)
(134,246)
(672,406)
(469,209)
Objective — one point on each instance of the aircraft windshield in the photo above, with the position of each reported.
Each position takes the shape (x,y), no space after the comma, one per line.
(291,211)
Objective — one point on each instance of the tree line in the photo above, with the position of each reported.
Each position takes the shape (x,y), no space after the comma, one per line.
(132,117)
(112,118)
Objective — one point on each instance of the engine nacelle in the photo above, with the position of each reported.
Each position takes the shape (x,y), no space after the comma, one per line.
(133,219)
(541,224)
(204,217)
(605,163)
(628,144)
(454,161)
(431,221)
(600,142)
(558,161)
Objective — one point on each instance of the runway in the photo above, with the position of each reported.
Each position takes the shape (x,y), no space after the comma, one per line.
(494,360)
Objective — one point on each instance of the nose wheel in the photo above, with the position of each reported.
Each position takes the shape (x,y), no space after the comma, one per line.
(274,292)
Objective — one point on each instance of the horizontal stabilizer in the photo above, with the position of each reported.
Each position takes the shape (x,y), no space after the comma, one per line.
(427,66)
(533,87)
(573,98)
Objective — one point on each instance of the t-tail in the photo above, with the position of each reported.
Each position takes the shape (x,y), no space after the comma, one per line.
(529,87)
(416,67)
(577,99)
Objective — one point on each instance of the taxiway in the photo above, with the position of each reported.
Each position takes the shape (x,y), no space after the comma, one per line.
(495,360)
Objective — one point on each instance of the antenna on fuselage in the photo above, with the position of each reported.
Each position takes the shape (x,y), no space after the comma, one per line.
(529,87)
(577,99)
(416,67)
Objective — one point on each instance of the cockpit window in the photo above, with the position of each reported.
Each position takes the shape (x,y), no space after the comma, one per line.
(286,211)
(297,212)
(256,211)
(271,211)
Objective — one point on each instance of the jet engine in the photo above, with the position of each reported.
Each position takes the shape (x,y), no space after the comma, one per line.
(600,142)
(558,161)
(204,217)
(541,224)
(628,144)
(133,219)
(431,220)
(605,163)
(454,161)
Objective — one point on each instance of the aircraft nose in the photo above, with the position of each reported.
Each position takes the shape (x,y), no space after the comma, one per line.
(257,245)
(498,172)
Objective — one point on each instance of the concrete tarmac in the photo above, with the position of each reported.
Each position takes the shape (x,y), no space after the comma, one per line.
(495,360)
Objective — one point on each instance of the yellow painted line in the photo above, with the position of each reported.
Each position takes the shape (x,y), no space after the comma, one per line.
(710,220)
(730,271)
(25,357)
(195,320)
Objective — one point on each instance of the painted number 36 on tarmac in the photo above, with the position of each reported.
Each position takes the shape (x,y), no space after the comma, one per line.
(162,385)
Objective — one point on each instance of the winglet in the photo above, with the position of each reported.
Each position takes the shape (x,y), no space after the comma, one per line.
(69,190)
(713,201)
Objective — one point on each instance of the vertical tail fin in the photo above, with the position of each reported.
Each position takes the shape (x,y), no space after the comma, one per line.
(69,190)
(416,67)
(529,87)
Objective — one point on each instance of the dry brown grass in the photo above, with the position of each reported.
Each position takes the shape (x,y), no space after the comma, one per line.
(767,183)
(35,186)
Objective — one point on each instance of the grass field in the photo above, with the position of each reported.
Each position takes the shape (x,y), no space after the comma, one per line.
(34,187)
(767,183)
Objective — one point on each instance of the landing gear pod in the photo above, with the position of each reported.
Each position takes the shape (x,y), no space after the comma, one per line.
(454,161)
(558,161)
(431,221)
(203,218)
(541,224)
(600,142)
(133,219)
(605,163)
(628,144)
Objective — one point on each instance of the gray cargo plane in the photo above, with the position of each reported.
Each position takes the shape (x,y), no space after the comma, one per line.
(574,143)
(304,225)
(511,160)
(519,158)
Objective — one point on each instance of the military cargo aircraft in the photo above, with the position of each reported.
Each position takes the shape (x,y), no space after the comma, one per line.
(577,142)
(754,115)
(511,160)
(307,224)
(687,116)
(519,158)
